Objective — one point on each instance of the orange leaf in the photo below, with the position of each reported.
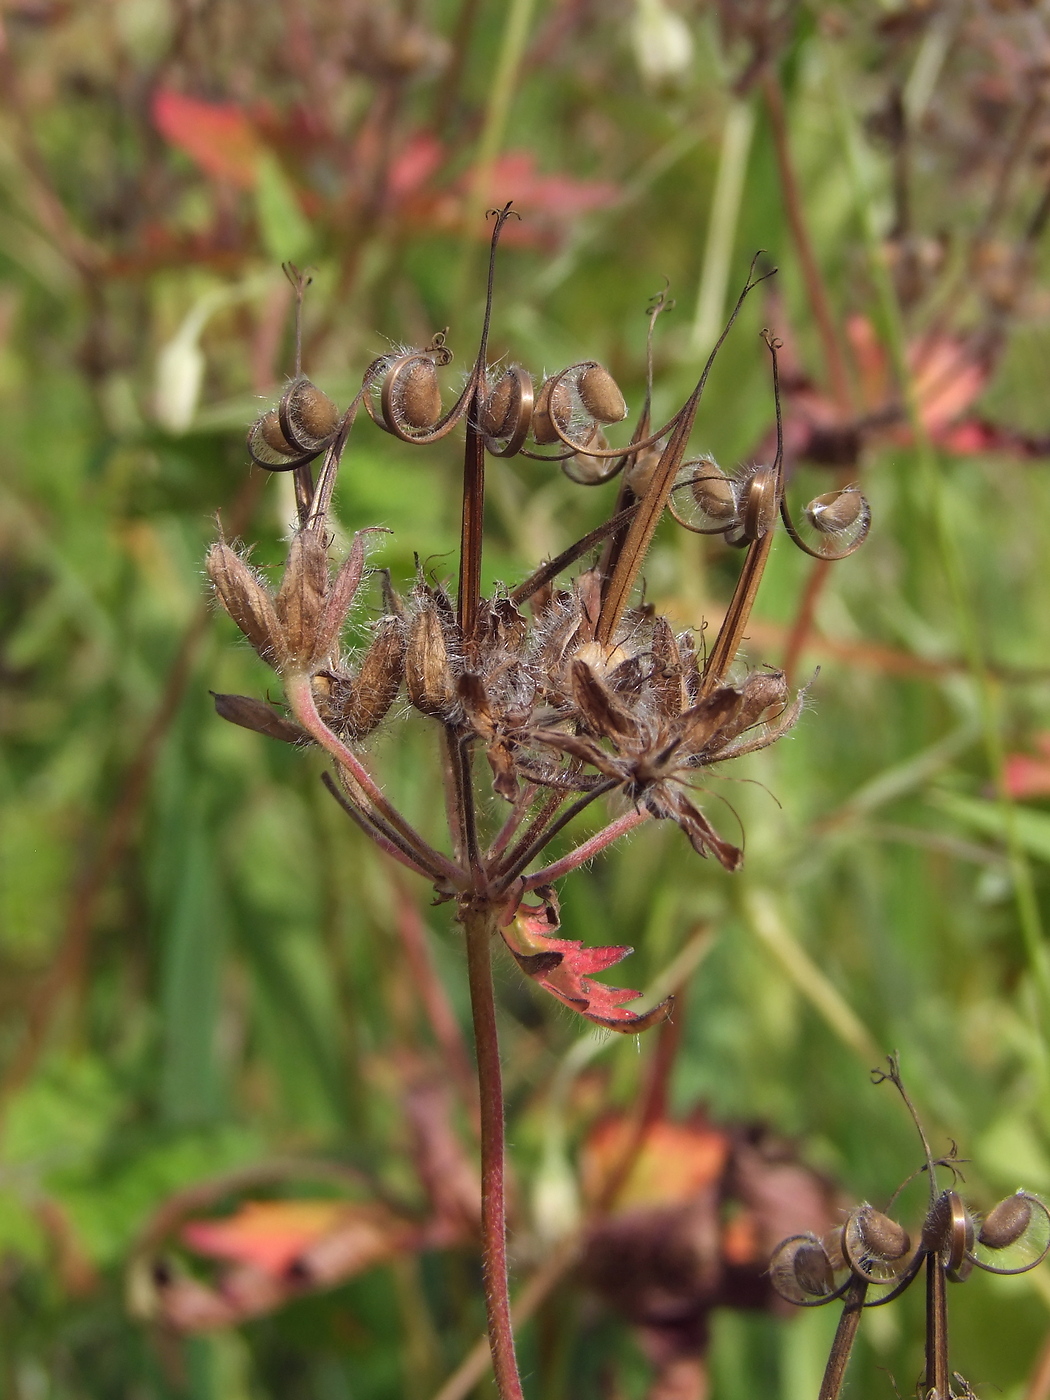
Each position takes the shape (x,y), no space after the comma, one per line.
(270,1235)
(219,136)
(675,1161)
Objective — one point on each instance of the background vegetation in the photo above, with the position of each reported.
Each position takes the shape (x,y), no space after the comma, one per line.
(204,967)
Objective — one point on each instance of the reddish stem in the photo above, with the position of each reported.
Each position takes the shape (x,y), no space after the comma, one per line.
(479,925)
(582,854)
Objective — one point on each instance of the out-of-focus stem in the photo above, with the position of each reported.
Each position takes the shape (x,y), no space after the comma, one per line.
(721,227)
(479,925)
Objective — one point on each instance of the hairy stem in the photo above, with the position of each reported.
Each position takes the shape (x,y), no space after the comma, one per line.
(479,925)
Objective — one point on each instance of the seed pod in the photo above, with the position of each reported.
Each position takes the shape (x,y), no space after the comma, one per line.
(758,505)
(300,601)
(600,395)
(268,446)
(411,394)
(835,511)
(429,672)
(250,713)
(379,678)
(640,472)
(1006,1223)
(497,414)
(948,1231)
(247,600)
(882,1236)
(586,470)
(553,406)
(800,1269)
(308,417)
(713,491)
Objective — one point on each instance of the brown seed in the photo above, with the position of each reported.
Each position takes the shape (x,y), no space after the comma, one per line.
(247,600)
(419,395)
(713,491)
(812,1270)
(553,406)
(270,431)
(835,511)
(640,472)
(379,678)
(883,1237)
(308,417)
(1006,1223)
(301,598)
(499,406)
(600,395)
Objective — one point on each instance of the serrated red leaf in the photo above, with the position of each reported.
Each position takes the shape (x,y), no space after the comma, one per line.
(564,968)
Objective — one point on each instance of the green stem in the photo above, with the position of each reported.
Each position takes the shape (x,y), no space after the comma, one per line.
(479,925)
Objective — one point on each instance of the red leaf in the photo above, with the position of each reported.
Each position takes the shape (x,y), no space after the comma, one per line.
(1024,775)
(267,1234)
(564,967)
(219,136)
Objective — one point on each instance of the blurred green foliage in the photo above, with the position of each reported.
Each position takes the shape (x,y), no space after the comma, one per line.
(200,968)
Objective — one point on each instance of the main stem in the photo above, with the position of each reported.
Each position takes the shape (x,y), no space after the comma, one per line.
(479,925)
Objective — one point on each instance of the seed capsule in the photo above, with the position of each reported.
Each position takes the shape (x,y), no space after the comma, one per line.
(308,417)
(600,395)
(268,446)
(429,672)
(300,601)
(552,406)
(497,415)
(1006,1223)
(417,395)
(813,1270)
(835,511)
(883,1236)
(800,1269)
(640,472)
(758,505)
(591,471)
(713,491)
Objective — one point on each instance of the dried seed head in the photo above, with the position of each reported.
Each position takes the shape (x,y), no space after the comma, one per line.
(247,600)
(416,393)
(308,417)
(300,601)
(429,672)
(586,470)
(553,406)
(1006,1223)
(600,395)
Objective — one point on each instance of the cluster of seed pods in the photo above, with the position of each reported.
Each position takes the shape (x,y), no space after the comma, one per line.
(870,1249)
(562,420)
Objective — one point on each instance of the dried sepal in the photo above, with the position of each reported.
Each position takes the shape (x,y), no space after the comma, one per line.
(248,601)
(1014,1236)
(431,654)
(565,968)
(801,1271)
(641,469)
(353,706)
(250,713)
(301,598)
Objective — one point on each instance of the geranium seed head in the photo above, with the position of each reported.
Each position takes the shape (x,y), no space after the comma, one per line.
(600,395)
